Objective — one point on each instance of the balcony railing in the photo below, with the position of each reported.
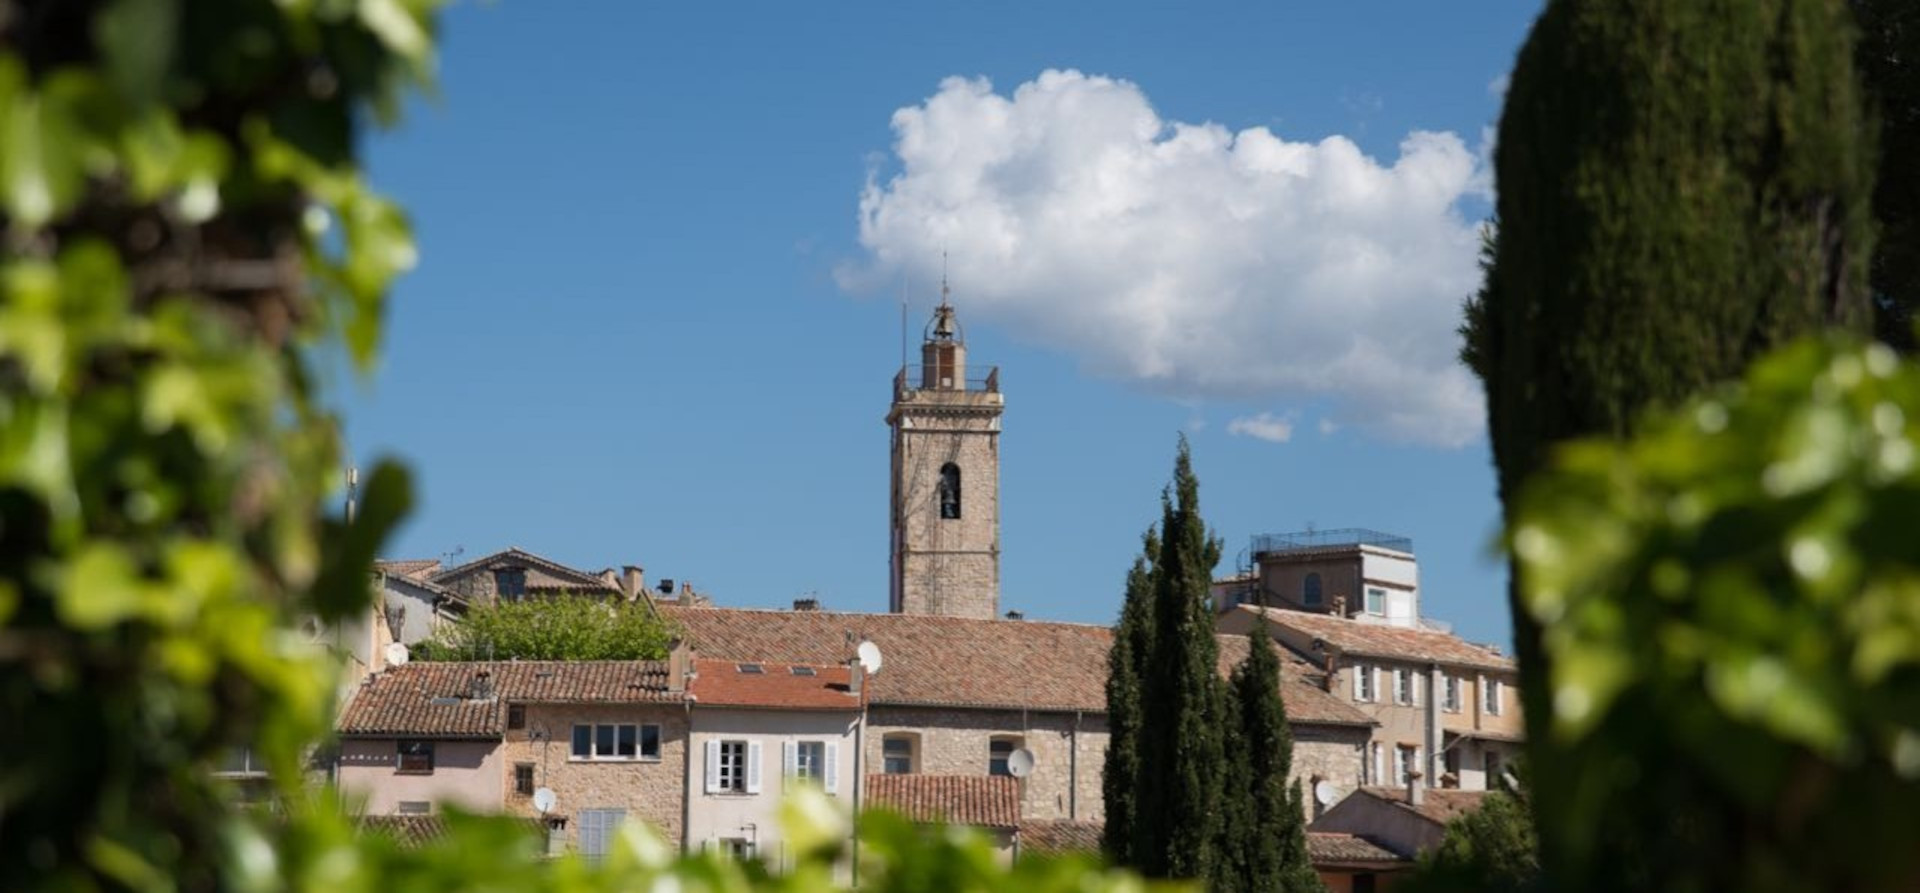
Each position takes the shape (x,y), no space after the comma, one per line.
(1325,539)
(914,378)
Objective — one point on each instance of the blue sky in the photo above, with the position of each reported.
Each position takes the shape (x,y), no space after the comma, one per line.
(655,323)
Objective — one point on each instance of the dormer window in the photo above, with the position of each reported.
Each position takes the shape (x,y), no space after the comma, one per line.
(949,490)
(510,583)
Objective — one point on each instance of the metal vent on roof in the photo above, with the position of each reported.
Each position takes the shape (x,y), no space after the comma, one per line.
(803,671)
(445,702)
(752,668)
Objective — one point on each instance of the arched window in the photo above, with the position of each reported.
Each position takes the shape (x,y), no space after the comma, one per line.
(1310,590)
(950,491)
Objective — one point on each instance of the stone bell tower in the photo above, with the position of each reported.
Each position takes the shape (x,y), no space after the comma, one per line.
(945,523)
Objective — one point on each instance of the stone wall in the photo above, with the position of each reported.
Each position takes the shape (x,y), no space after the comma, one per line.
(948,566)
(1067,762)
(653,791)
(1326,753)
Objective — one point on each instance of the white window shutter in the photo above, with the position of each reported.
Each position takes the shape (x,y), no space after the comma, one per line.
(1417,679)
(1358,692)
(789,762)
(832,773)
(713,766)
(753,767)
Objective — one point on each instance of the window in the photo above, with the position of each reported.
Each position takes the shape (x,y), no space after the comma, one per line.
(896,755)
(413,807)
(616,741)
(949,490)
(523,779)
(1405,689)
(516,716)
(1310,590)
(1451,700)
(1491,688)
(596,831)
(1491,762)
(737,847)
(1452,763)
(751,669)
(240,761)
(510,583)
(416,756)
(802,671)
(816,761)
(733,767)
(1363,684)
(998,751)
(1376,601)
(1406,761)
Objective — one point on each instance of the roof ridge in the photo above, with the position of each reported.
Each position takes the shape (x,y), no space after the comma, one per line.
(517,551)
(941,618)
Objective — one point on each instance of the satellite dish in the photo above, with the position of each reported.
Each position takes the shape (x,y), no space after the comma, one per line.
(869,656)
(397,654)
(543,800)
(1020,763)
(1325,793)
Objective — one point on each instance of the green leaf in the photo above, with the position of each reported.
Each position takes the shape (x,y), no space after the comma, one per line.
(136,38)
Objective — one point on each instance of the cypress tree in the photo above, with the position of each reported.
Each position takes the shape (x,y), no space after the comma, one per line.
(1889,63)
(1682,186)
(1181,755)
(1132,641)
(1270,828)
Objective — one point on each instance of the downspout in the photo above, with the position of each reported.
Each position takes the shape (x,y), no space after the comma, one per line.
(686,783)
(1434,758)
(859,757)
(1073,769)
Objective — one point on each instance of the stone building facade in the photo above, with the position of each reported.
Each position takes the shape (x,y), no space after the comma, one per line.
(944,519)
(644,786)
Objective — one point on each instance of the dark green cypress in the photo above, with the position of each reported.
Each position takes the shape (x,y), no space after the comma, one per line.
(1682,186)
(1132,641)
(1181,757)
(1889,63)
(1270,833)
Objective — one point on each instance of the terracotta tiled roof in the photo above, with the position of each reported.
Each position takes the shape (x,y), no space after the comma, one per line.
(1059,837)
(988,801)
(410,830)
(928,660)
(1325,847)
(1300,689)
(1438,804)
(957,662)
(411,568)
(542,573)
(436,699)
(722,683)
(1390,642)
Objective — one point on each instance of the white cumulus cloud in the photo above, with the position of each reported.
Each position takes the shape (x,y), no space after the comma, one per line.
(1195,261)
(1265,426)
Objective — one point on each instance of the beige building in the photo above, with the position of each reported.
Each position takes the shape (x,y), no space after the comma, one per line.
(760,730)
(1371,837)
(956,697)
(607,738)
(944,524)
(1344,573)
(1443,706)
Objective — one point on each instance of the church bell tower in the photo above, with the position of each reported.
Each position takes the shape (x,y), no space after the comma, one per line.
(945,523)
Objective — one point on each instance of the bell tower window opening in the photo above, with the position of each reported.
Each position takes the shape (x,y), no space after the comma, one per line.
(950,491)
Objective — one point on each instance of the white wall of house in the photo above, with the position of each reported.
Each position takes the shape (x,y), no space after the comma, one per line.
(469,773)
(716,815)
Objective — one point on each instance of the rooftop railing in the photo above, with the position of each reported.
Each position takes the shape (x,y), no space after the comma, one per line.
(1324,539)
(914,378)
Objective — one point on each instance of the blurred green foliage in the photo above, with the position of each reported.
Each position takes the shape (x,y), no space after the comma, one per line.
(1731,606)
(1492,849)
(184,230)
(558,627)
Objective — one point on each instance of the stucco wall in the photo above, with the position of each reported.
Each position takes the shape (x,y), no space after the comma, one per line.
(754,817)
(468,773)
(1067,763)
(1390,825)
(652,791)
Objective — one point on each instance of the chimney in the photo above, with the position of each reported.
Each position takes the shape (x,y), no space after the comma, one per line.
(632,581)
(680,656)
(806,604)
(610,577)
(1416,792)
(482,687)
(1339,606)
(1016,615)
